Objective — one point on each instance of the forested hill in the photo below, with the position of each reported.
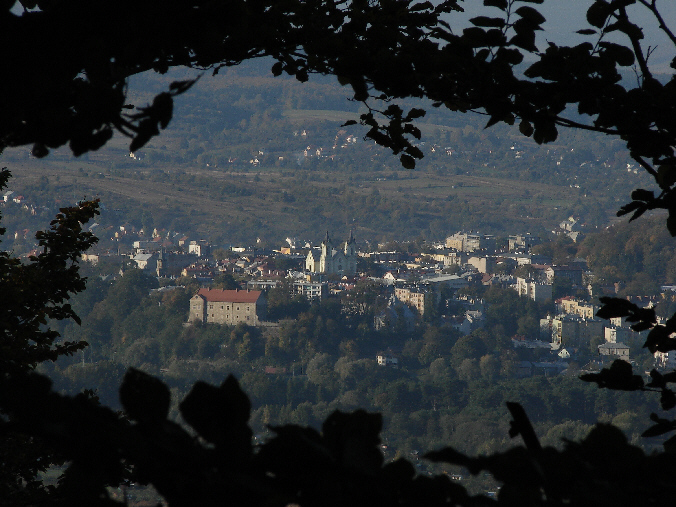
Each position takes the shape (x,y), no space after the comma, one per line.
(248,155)
(640,253)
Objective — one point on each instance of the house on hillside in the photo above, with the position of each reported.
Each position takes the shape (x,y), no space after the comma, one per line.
(614,350)
(228,307)
(388,358)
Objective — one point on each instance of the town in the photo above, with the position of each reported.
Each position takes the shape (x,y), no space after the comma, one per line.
(436,281)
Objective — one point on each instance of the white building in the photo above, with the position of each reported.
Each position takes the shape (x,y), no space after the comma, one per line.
(330,260)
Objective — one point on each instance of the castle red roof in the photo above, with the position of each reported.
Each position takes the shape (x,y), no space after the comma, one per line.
(229,296)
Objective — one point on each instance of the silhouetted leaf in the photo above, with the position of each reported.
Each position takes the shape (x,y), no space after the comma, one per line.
(663,426)
(354,439)
(671,223)
(531,14)
(637,206)
(407,161)
(621,54)
(39,150)
(643,195)
(670,445)
(219,414)
(667,399)
(598,12)
(618,377)
(500,4)
(145,399)
(615,307)
(526,128)
(485,21)
(657,380)
(666,176)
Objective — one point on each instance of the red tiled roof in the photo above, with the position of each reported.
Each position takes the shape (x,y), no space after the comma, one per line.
(230,296)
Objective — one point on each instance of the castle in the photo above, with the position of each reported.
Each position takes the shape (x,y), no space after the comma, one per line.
(329,260)
(216,306)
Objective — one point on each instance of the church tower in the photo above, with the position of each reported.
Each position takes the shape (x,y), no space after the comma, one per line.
(327,246)
(350,246)
(326,258)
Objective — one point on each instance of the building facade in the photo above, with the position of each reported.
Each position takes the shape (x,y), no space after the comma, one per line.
(414,297)
(330,260)
(533,290)
(468,242)
(216,306)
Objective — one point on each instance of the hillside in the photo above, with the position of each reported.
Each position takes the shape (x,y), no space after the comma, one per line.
(248,155)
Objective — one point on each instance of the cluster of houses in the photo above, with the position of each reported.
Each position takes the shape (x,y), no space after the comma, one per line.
(416,286)
(412,283)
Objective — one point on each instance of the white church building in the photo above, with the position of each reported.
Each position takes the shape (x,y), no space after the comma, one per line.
(330,260)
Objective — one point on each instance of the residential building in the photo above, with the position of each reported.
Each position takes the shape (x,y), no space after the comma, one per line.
(571,224)
(483,264)
(523,242)
(262,284)
(395,315)
(200,248)
(388,358)
(571,331)
(414,297)
(572,273)
(468,242)
(573,306)
(145,261)
(527,287)
(311,290)
(616,350)
(613,334)
(454,259)
(665,360)
(228,307)
(449,281)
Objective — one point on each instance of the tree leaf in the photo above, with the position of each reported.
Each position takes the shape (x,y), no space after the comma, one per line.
(618,377)
(145,399)
(671,223)
(485,21)
(531,14)
(500,4)
(621,54)
(219,414)
(598,12)
(667,399)
(407,161)
(526,128)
